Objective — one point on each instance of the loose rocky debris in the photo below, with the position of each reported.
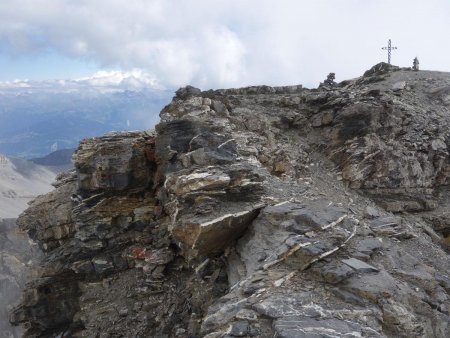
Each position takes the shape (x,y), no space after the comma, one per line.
(256,212)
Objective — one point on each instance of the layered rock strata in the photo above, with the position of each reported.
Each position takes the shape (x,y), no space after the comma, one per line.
(256,212)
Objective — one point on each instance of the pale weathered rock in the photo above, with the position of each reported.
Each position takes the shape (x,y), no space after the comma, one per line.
(399,86)
(200,181)
(371,212)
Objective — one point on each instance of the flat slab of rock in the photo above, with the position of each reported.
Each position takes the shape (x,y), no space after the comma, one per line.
(359,266)
(212,236)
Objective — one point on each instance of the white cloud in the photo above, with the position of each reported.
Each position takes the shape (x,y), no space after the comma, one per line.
(136,78)
(220,43)
(100,82)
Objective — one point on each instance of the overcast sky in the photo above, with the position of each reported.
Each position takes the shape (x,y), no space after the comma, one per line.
(219,43)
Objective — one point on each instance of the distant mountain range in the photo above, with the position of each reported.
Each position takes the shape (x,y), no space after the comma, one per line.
(38,117)
(59,160)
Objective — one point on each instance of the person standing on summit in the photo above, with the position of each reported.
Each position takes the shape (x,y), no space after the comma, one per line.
(416,64)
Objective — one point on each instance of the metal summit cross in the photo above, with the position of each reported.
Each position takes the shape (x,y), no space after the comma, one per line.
(389,48)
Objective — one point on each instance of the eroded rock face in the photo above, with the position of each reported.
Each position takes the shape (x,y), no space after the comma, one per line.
(48,220)
(122,162)
(91,236)
(212,189)
(256,212)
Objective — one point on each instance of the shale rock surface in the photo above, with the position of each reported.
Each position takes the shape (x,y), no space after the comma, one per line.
(256,212)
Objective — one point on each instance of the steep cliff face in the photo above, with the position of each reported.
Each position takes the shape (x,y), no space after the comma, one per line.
(256,212)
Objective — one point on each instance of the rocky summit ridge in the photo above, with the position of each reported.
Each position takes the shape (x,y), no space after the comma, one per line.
(255,212)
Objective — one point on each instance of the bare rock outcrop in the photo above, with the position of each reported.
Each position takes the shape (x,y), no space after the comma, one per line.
(256,212)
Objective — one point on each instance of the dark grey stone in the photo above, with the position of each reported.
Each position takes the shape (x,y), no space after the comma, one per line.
(368,246)
(102,266)
(239,329)
(348,297)
(390,221)
(334,273)
(187,91)
(218,106)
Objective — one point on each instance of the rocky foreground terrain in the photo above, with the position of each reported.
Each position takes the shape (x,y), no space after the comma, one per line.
(256,212)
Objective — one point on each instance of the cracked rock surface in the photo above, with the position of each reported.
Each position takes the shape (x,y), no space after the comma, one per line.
(256,212)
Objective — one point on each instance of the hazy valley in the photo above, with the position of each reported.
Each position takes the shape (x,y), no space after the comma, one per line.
(38,118)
